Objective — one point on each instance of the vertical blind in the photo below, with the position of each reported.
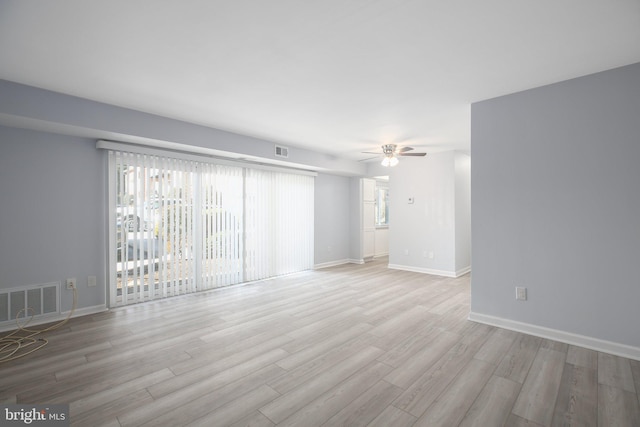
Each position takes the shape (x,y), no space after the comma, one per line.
(279,223)
(182,226)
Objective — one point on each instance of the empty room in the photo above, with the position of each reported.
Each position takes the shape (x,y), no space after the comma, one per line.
(354,213)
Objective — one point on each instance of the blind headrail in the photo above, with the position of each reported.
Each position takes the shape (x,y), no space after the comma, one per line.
(196,154)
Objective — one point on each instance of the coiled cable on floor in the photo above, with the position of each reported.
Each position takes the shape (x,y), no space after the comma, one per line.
(23,341)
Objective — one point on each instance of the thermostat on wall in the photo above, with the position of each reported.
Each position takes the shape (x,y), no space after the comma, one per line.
(410,201)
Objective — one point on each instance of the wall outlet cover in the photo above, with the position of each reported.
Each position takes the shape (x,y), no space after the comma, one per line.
(521,293)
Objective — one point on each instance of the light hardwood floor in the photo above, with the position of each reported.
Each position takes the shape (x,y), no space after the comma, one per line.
(353,345)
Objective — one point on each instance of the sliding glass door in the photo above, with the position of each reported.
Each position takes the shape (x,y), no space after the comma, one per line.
(180,226)
(221,230)
(279,215)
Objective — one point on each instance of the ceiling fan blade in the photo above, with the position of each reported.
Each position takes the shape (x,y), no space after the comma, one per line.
(368,158)
(371,152)
(412,154)
(404,149)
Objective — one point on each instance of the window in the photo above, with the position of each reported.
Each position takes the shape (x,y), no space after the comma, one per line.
(382,205)
(180,226)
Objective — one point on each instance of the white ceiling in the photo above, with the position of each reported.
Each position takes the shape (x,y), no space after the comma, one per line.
(335,76)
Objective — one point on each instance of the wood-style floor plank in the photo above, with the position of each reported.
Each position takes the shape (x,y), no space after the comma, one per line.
(493,405)
(617,407)
(518,359)
(392,416)
(232,411)
(635,371)
(579,356)
(577,403)
(451,406)
(366,407)
(331,402)
(287,404)
(350,345)
(430,385)
(405,374)
(541,386)
(615,371)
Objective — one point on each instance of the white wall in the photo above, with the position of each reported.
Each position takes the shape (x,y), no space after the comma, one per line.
(463,212)
(556,208)
(332,212)
(355,221)
(382,233)
(428,225)
(382,242)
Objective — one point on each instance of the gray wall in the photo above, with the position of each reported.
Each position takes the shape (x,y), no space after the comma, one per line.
(53,184)
(53,213)
(556,206)
(45,110)
(52,198)
(332,210)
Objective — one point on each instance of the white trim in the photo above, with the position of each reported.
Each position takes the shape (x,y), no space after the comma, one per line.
(110,294)
(331,264)
(198,154)
(56,317)
(596,344)
(463,271)
(84,311)
(355,261)
(443,273)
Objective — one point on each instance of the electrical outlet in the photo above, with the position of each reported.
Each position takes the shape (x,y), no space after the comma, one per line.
(431,255)
(521,293)
(71,283)
(91,281)
(406,251)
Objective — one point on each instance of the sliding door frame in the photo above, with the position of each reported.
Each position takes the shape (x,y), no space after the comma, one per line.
(197,237)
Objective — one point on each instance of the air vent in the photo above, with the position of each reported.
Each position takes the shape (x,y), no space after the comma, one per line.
(282,151)
(23,302)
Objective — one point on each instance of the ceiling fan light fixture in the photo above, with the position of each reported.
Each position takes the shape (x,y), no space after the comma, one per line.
(389,161)
(391,152)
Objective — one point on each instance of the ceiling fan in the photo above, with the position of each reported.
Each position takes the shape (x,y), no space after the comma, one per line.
(391,152)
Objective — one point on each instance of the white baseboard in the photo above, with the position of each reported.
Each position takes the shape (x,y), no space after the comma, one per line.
(553,334)
(356,261)
(463,271)
(84,311)
(443,273)
(331,263)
